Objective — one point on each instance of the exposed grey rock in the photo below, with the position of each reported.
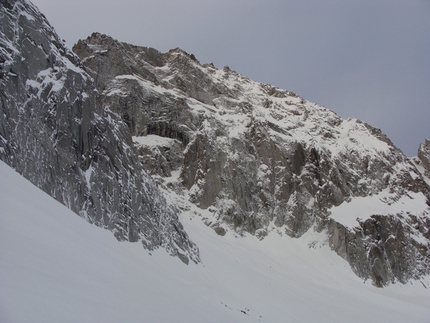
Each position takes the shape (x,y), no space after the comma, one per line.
(160,157)
(259,158)
(262,158)
(56,131)
(423,158)
(384,248)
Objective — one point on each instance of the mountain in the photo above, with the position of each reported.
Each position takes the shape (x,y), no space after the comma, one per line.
(56,268)
(56,132)
(133,139)
(261,159)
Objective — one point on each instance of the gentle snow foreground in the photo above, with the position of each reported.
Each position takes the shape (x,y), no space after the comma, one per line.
(55,267)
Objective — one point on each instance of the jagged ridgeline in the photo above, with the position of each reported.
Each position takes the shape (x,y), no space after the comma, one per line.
(55,130)
(257,158)
(262,159)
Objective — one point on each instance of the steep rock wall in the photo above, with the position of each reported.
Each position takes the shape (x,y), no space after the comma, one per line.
(55,130)
(262,158)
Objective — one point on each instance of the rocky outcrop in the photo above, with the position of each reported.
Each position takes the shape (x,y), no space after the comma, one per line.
(56,131)
(423,158)
(385,248)
(261,158)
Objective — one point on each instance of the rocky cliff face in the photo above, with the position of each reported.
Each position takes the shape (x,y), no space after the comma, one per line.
(261,159)
(249,157)
(56,131)
(423,159)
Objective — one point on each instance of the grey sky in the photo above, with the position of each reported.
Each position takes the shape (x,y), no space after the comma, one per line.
(360,58)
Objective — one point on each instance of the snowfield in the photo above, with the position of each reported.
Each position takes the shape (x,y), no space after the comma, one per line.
(55,267)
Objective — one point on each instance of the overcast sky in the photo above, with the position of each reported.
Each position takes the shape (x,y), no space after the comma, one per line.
(366,59)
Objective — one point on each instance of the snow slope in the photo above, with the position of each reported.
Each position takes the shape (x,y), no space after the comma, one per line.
(363,208)
(55,267)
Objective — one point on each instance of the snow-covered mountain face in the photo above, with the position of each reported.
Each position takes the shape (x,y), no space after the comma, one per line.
(257,159)
(112,133)
(55,131)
